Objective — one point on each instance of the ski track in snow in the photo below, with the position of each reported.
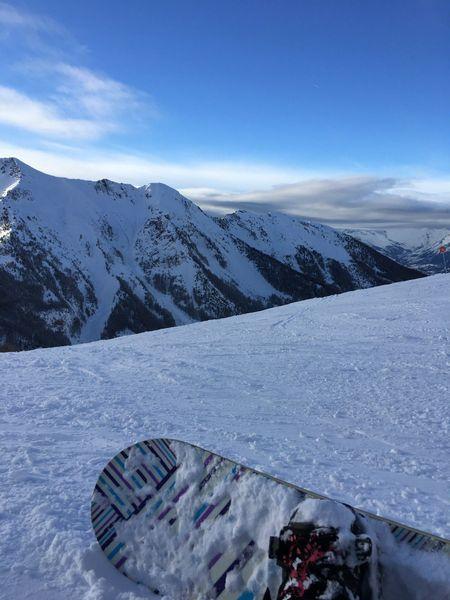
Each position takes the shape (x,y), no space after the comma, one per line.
(346,395)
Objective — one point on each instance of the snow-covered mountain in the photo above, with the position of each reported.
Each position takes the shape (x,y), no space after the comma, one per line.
(415,248)
(83,260)
(345,395)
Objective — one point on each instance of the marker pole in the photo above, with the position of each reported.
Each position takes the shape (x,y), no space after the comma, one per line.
(443,250)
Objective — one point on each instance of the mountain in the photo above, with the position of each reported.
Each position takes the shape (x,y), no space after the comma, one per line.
(415,248)
(345,395)
(83,260)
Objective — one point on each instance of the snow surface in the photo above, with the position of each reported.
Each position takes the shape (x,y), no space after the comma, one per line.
(346,395)
(410,238)
(414,247)
(279,235)
(259,508)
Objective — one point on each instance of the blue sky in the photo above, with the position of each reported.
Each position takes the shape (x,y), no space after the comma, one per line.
(307,106)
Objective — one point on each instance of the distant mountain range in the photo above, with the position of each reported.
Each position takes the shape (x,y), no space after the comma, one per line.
(83,260)
(415,248)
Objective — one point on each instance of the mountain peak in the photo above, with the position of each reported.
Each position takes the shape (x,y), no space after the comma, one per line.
(14,170)
(15,166)
(11,173)
(10,164)
(168,199)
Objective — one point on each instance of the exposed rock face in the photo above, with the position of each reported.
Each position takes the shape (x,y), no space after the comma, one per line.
(82,260)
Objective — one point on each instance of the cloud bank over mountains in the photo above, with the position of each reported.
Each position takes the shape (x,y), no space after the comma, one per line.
(346,201)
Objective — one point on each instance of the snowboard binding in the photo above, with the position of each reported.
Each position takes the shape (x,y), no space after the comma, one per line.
(317,562)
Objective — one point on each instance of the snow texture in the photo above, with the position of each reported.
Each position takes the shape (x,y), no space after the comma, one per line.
(259,508)
(345,395)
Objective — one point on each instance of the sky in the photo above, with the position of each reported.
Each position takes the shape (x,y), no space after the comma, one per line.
(332,110)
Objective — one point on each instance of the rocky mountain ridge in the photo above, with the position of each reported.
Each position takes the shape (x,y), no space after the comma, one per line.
(83,260)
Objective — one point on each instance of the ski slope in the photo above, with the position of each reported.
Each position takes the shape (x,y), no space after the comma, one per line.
(345,395)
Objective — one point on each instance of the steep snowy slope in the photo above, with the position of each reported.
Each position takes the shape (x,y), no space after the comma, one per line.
(93,260)
(346,395)
(415,248)
(312,248)
(82,260)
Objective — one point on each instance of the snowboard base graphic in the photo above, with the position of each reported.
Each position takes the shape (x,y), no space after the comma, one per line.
(190,524)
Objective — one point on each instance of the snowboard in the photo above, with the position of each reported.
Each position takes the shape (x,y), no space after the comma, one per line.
(190,524)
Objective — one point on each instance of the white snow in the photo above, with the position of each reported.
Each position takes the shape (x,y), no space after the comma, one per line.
(259,508)
(9,176)
(415,247)
(412,239)
(83,222)
(347,396)
(279,235)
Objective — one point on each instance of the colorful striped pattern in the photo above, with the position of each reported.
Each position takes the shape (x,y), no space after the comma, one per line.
(126,487)
(418,540)
(121,493)
(144,478)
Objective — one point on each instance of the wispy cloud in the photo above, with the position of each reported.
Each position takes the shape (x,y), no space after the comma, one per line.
(56,96)
(81,162)
(19,110)
(95,94)
(11,16)
(79,103)
(40,34)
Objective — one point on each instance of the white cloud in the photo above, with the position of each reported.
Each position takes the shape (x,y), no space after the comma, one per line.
(439,187)
(19,110)
(336,199)
(52,94)
(79,104)
(24,30)
(138,169)
(97,95)
(11,16)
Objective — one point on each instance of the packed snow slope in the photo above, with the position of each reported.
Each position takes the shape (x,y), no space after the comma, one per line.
(84,260)
(417,248)
(345,395)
